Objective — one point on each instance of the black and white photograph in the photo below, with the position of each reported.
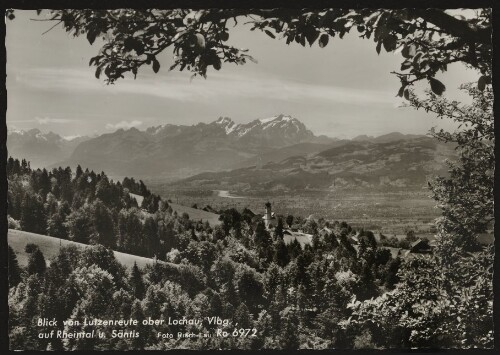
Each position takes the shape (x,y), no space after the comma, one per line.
(249,178)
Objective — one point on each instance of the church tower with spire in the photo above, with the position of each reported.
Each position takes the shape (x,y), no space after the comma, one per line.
(269,218)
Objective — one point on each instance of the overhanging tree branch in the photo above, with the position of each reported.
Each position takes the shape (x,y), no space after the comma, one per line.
(454,26)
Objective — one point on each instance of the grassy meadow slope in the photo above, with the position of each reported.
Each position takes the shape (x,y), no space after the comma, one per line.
(194,213)
(50,246)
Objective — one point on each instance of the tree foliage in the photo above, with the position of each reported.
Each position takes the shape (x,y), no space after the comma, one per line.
(466,195)
(36,262)
(13,265)
(430,309)
(428,39)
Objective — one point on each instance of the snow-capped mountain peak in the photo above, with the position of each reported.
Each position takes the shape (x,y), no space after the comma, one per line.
(227,123)
(224,120)
(281,120)
(267,120)
(276,130)
(283,124)
(36,134)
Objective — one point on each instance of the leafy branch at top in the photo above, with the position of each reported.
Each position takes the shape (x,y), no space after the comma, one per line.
(427,39)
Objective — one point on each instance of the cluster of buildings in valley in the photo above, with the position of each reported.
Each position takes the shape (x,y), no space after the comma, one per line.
(422,245)
(419,246)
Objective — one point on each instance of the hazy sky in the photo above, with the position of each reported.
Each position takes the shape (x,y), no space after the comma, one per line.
(343,90)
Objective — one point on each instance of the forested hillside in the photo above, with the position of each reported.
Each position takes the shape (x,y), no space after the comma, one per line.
(293,297)
(86,207)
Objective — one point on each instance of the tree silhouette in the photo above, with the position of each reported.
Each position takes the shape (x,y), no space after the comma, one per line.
(36,263)
(136,282)
(278,231)
(103,225)
(262,239)
(14,271)
(33,218)
(242,316)
(281,253)
(428,39)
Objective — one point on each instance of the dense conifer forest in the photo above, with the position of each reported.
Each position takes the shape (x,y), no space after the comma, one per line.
(326,295)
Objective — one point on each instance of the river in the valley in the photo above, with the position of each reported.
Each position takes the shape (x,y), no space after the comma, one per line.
(226,194)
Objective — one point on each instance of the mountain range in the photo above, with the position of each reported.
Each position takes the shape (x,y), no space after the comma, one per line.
(178,151)
(385,138)
(264,153)
(400,163)
(41,149)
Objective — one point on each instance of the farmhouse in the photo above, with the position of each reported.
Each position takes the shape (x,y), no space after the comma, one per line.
(302,238)
(420,246)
